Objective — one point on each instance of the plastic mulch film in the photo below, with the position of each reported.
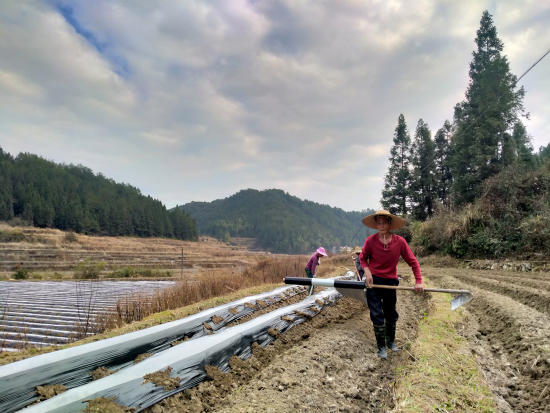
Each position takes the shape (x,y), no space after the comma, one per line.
(72,367)
(187,360)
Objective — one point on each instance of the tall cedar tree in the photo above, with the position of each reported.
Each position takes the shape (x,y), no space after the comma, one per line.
(443,177)
(396,182)
(423,189)
(486,117)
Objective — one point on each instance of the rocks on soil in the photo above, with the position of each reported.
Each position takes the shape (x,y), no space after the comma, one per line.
(217,319)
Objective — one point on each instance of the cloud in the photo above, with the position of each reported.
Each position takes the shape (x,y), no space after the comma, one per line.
(196,100)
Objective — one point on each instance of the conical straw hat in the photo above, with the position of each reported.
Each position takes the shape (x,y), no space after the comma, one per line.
(395,221)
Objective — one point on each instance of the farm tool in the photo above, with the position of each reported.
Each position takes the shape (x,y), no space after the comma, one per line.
(356,289)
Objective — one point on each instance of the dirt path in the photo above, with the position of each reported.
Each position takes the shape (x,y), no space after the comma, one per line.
(325,364)
(511,339)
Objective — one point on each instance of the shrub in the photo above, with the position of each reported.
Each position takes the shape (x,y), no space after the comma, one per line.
(88,270)
(21,274)
(12,236)
(70,237)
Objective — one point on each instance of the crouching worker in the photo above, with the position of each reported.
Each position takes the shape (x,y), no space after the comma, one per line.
(311,266)
(384,250)
(359,273)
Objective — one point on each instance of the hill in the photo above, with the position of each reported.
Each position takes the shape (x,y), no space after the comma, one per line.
(280,222)
(72,197)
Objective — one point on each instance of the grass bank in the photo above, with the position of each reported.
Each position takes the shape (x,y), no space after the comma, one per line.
(443,375)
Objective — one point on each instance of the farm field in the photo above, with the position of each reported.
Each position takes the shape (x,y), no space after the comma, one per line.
(329,363)
(55,254)
(46,313)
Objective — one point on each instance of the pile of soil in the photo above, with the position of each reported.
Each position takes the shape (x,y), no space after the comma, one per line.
(163,379)
(101,372)
(106,404)
(49,391)
(328,363)
(142,357)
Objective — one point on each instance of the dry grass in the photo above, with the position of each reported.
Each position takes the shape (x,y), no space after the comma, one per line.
(209,284)
(444,376)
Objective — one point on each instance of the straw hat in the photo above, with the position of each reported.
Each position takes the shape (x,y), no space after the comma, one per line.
(395,221)
(357,250)
(322,251)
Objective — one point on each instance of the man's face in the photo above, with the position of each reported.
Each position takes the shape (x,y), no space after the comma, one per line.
(382,224)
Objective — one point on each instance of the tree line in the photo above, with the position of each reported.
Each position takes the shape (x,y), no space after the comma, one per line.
(280,222)
(485,137)
(72,197)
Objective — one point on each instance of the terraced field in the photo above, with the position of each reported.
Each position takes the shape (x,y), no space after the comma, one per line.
(45,313)
(509,330)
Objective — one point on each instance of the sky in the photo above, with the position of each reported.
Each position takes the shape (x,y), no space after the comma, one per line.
(196,100)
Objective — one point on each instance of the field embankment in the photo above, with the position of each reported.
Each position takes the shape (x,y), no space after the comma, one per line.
(507,326)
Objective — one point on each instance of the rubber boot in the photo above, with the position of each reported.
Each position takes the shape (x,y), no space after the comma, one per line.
(390,336)
(380,334)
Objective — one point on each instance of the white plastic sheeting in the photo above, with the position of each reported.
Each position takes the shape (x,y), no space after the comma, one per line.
(187,361)
(72,367)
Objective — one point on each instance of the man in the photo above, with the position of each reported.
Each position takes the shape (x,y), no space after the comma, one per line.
(379,258)
(359,273)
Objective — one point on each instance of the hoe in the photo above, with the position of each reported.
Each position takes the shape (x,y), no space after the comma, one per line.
(356,289)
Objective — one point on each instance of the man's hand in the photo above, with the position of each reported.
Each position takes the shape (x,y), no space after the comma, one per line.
(419,288)
(368,280)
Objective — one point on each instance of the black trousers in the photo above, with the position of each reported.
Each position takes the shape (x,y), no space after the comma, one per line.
(382,302)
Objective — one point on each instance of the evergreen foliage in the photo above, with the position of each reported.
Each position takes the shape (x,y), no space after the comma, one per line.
(396,191)
(423,188)
(443,177)
(280,222)
(483,144)
(73,198)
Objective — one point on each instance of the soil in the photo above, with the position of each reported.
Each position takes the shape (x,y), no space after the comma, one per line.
(175,343)
(106,404)
(142,357)
(233,311)
(508,329)
(163,379)
(272,307)
(217,319)
(101,372)
(327,363)
(49,391)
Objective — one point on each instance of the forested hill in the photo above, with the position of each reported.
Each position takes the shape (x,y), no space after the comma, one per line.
(280,222)
(70,197)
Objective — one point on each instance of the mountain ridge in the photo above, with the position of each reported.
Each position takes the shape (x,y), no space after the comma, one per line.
(280,222)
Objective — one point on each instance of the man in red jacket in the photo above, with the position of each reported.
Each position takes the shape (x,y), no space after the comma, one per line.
(379,259)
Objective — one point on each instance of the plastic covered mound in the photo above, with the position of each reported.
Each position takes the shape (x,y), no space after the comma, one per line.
(186,363)
(18,380)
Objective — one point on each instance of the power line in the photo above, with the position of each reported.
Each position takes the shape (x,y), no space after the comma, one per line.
(534,64)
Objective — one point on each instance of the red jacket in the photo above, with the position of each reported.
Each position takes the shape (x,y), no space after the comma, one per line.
(383,263)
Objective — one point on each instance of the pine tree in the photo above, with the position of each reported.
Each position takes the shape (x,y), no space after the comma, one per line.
(422,188)
(443,177)
(490,110)
(396,182)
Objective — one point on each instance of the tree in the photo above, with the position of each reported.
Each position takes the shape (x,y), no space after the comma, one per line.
(443,177)
(396,182)
(422,188)
(491,108)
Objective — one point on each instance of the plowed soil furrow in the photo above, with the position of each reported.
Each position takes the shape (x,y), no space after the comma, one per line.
(324,364)
(524,280)
(531,297)
(511,340)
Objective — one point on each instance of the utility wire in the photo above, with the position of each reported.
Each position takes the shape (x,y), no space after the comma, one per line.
(488,107)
